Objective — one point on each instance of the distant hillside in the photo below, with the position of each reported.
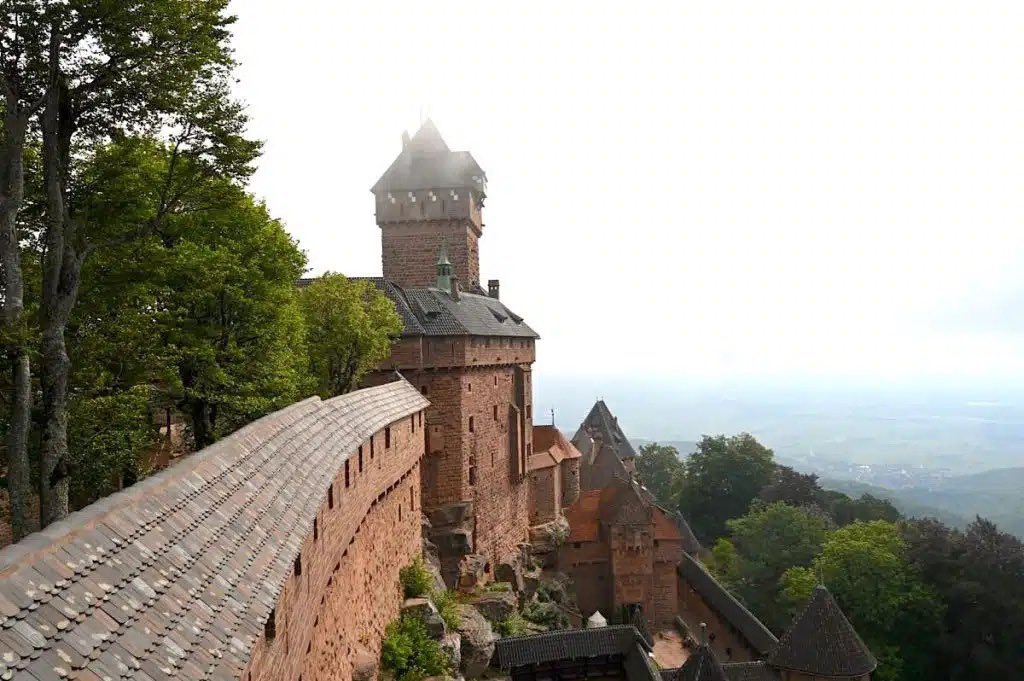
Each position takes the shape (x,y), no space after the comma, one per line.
(997,495)
(684,447)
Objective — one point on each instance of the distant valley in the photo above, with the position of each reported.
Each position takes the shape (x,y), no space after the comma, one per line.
(943,452)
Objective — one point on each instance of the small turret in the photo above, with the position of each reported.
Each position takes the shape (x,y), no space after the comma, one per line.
(444,269)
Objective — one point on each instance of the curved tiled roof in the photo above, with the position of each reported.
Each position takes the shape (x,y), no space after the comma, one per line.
(752,629)
(176,575)
(821,641)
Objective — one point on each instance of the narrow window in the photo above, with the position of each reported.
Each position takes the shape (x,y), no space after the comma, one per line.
(469,387)
(298,565)
(387,438)
(399,513)
(330,490)
(529,411)
(421,419)
(371,448)
(316,529)
(360,458)
(472,475)
(424,390)
(270,628)
(412,498)
(471,424)
(495,380)
(412,422)
(348,479)
(495,412)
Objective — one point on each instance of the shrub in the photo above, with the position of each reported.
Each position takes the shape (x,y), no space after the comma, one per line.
(448,605)
(547,615)
(498,586)
(415,579)
(409,653)
(513,625)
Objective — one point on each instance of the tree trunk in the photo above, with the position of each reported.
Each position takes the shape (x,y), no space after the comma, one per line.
(202,428)
(12,186)
(62,266)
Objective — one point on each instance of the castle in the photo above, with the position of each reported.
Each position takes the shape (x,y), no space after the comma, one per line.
(275,553)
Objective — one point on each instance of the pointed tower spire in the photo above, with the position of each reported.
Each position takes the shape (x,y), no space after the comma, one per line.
(444,269)
(821,642)
(702,665)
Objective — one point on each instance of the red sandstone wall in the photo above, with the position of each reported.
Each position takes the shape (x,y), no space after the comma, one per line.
(409,252)
(348,590)
(543,496)
(728,645)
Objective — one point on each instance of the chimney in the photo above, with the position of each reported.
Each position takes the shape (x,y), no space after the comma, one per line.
(703,634)
(455,288)
(492,288)
(405,140)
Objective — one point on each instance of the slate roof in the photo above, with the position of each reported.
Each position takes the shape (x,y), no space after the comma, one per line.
(432,312)
(822,642)
(601,419)
(427,163)
(578,644)
(749,671)
(176,575)
(702,665)
(756,633)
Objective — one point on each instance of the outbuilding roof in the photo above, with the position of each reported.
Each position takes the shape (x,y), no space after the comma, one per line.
(579,644)
(176,575)
(601,420)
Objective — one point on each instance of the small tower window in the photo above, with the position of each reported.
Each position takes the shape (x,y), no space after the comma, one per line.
(471,424)
(316,529)
(348,478)
(360,458)
(387,438)
(399,513)
(424,389)
(330,491)
(298,565)
(472,475)
(371,448)
(495,412)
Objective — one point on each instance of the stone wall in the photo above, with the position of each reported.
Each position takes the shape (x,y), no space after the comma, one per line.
(727,643)
(344,588)
(410,250)
(544,494)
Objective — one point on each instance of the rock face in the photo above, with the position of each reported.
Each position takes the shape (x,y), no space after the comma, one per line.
(451,644)
(364,665)
(545,540)
(497,605)
(472,571)
(511,571)
(477,642)
(426,611)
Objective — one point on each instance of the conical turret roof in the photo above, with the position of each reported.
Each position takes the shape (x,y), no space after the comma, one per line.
(822,642)
(702,666)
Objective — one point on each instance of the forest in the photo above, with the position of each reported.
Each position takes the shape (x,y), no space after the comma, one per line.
(932,602)
(140,283)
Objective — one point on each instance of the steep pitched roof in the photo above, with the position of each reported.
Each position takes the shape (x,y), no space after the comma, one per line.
(702,666)
(601,420)
(821,641)
(426,162)
(176,575)
(752,629)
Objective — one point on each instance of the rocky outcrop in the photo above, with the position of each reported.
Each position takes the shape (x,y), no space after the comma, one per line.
(545,540)
(477,642)
(511,571)
(497,605)
(364,665)
(425,609)
(472,572)
(451,644)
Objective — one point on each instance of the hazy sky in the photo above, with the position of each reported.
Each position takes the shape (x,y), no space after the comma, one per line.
(827,189)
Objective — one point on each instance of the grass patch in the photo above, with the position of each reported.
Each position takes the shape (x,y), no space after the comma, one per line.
(513,625)
(447,603)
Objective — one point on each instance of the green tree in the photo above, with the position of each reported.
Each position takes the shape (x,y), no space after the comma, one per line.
(768,541)
(409,653)
(349,330)
(720,480)
(660,469)
(865,566)
(796,489)
(102,70)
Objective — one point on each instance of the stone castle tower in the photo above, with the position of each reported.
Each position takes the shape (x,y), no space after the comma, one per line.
(429,197)
(464,349)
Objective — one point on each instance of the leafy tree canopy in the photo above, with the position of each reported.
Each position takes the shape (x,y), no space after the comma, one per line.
(660,470)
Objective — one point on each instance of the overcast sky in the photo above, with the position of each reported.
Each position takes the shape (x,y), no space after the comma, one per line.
(825,189)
